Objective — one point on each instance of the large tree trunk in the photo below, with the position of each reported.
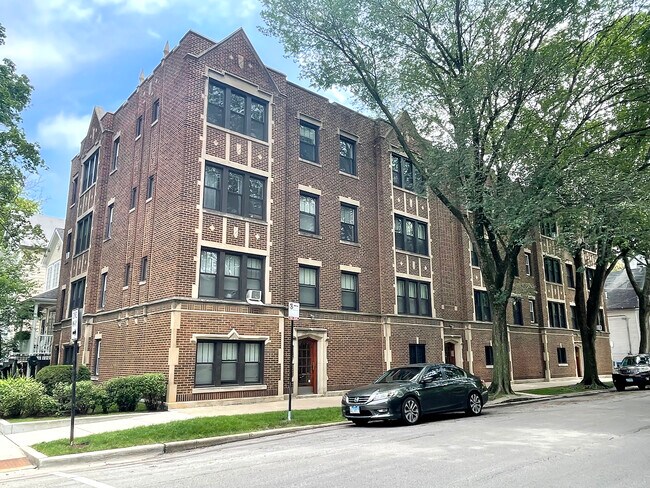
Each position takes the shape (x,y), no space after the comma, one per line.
(586,314)
(501,349)
(644,321)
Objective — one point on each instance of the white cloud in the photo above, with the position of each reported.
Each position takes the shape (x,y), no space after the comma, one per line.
(63,131)
(148,7)
(153,33)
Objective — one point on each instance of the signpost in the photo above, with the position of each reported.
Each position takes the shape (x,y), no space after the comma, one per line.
(77,315)
(294,314)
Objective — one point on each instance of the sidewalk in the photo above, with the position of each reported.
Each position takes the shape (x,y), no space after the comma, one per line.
(12,456)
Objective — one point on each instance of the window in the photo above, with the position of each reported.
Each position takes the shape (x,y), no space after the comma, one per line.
(222,363)
(474,256)
(68,354)
(98,349)
(308,142)
(138,127)
(489,356)
(482,306)
(309,213)
(574,317)
(417,354)
(552,271)
(528,264)
(144,268)
(82,240)
(116,154)
(150,182)
(52,277)
(517,312)
(561,355)
(103,282)
(77,294)
(233,192)
(531,307)
(570,276)
(406,175)
(413,298)
(349,291)
(237,111)
(600,320)
(64,304)
(68,245)
(134,197)
(349,223)
(75,190)
(127,274)
(548,229)
(221,274)
(589,274)
(89,173)
(155,111)
(55,355)
(308,284)
(411,235)
(347,156)
(109,221)
(557,314)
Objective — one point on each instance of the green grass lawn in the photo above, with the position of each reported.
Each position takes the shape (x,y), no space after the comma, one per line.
(197,428)
(561,390)
(111,411)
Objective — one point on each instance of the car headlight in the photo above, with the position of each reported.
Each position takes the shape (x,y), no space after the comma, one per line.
(345,398)
(379,396)
(644,369)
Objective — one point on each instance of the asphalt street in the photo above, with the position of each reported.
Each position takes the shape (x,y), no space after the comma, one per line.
(594,441)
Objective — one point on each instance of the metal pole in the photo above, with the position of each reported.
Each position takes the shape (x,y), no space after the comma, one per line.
(74,391)
(290,372)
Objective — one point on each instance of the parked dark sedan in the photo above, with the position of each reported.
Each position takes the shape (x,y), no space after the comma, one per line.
(633,371)
(408,392)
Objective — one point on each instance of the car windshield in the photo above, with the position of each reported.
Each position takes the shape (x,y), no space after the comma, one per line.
(399,374)
(634,360)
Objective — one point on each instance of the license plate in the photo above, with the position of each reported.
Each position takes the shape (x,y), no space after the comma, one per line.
(629,380)
(355,410)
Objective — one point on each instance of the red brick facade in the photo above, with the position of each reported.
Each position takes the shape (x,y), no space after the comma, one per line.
(153,319)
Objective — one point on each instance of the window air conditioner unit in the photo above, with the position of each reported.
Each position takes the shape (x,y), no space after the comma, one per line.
(254,297)
(67,254)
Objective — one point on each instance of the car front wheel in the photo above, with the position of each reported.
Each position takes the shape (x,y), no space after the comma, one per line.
(474,404)
(410,411)
(641,387)
(619,386)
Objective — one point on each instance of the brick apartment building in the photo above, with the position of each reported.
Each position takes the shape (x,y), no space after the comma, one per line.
(218,176)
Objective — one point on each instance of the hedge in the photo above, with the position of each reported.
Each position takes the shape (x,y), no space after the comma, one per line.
(23,397)
(62,373)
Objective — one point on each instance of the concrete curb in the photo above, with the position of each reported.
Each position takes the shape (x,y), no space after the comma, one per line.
(42,461)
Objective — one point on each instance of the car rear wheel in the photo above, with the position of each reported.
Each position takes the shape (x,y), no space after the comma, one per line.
(619,386)
(410,411)
(360,422)
(641,387)
(474,404)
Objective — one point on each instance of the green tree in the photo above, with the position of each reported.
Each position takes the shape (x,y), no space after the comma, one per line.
(503,91)
(18,157)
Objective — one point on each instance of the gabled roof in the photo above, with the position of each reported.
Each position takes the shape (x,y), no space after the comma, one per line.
(48,226)
(47,296)
(619,292)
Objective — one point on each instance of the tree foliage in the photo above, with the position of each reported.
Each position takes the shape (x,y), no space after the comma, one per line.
(508,96)
(18,158)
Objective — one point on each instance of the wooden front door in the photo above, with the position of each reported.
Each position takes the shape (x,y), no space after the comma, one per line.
(450,353)
(307,366)
(578,362)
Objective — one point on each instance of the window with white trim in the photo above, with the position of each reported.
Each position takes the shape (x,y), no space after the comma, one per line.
(229,363)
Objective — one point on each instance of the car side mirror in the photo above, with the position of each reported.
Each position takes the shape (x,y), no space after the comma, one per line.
(431,377)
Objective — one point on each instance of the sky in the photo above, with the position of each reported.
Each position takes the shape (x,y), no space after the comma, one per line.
(79,54)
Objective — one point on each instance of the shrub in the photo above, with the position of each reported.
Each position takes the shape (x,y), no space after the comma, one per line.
(86,397)
(154,389)
(101,399)
(125,392)
(62,373)
(21,397)
(49,406)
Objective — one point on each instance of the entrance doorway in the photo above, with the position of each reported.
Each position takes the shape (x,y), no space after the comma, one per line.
(578,362)
(307,366)
(450,353)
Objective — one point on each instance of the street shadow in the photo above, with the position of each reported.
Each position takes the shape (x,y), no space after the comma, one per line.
(426,419)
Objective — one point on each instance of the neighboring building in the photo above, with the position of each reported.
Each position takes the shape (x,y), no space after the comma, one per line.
(623,313)
(45,278)
(219,179)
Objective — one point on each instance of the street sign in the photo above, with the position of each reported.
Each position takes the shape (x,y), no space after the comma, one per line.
(294,311)
(74,329)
